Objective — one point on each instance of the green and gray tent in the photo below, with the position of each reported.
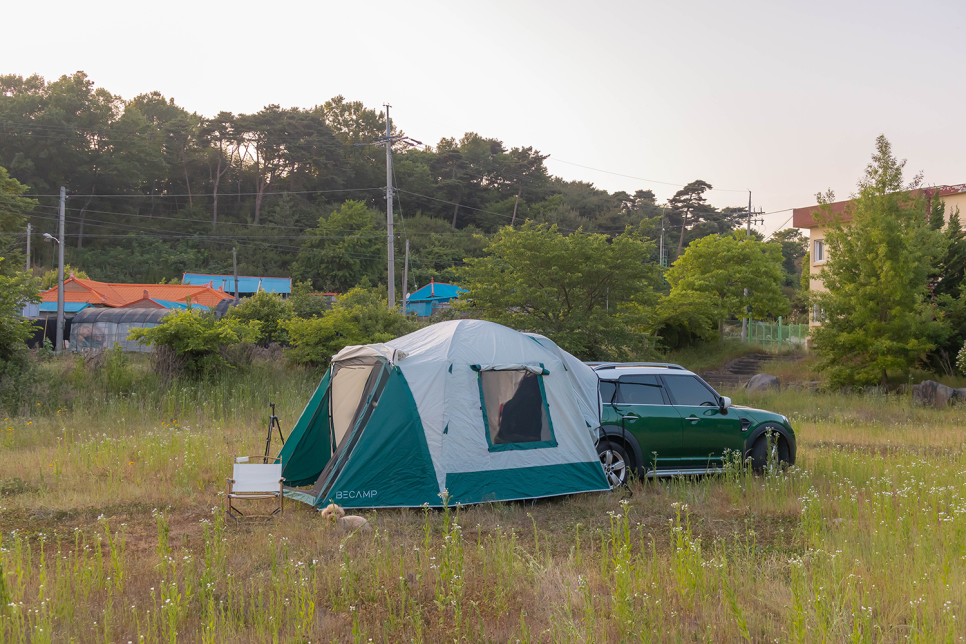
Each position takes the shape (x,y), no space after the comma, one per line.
(469,409)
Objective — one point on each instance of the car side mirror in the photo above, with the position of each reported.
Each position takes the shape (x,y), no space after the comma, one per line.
(725,403)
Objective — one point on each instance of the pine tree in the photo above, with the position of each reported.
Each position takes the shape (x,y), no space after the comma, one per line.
(878,315)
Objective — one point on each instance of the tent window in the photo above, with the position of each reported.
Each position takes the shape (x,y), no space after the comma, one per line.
(515,410)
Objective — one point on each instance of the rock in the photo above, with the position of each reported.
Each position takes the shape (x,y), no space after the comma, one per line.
(934,394)
(763,382)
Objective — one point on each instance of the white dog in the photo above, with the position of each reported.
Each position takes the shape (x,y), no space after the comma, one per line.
(337,515)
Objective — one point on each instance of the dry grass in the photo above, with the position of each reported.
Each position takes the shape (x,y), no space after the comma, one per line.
(112,532)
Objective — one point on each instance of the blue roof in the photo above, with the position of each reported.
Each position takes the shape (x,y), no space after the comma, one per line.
(168,304)
(436,292)
(69,307)
(246,284)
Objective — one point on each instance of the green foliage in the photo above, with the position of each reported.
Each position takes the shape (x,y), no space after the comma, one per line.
(264,179)
(805,279)
(268,310)
(13,207)
(358,317)
(305,303)
(198,338)
(722,267)
(49,280)
(684,318)
(583,291)
(341,250)
(794,247)
(876,314)
(17,288)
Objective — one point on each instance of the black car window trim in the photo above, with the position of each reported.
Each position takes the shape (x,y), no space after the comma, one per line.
(667,389)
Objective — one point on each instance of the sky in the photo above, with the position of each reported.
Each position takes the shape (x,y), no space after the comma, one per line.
(784,99)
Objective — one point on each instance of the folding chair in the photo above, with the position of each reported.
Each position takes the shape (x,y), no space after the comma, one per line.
(255,481)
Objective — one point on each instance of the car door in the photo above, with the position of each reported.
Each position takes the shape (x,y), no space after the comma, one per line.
(706,430)
(646,413)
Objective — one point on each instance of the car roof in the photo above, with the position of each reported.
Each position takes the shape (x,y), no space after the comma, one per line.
(614,370)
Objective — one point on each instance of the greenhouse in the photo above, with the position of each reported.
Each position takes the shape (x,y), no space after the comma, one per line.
(100,328)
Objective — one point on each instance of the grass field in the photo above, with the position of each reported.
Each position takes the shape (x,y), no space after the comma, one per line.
(110,514)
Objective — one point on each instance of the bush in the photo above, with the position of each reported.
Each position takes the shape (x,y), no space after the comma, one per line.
(269,310)
(49,280)
(359,317)
(16,289)
(191,343)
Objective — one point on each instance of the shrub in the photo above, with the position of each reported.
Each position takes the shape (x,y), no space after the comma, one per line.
(359,317)
(269,310)
(191,343)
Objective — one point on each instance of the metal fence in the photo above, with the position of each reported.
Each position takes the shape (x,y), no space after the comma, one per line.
(777,335)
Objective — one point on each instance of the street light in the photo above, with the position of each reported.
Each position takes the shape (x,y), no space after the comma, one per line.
(50,238)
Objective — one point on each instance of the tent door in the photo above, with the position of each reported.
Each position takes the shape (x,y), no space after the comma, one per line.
(352,403)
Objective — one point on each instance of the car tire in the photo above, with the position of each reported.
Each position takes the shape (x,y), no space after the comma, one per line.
(759,452)
(617,464)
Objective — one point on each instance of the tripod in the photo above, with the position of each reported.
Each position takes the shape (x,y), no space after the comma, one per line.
(272,424)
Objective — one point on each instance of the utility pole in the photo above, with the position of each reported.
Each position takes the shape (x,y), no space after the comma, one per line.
(744,320)
(390,249)
(660,257)
(388,142)
(28,248)
(234,267)
(405,284)
(59,346)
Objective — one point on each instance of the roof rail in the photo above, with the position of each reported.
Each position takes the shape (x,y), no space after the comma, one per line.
(605,365)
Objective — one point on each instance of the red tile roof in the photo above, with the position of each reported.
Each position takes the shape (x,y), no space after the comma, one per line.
(805,217)
(119,295)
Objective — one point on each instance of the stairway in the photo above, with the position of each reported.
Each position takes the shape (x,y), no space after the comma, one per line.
(737,372)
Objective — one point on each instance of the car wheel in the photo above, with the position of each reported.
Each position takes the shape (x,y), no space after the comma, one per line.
(759,452)
(615,461)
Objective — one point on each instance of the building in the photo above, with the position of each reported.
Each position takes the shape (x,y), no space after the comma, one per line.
(432,297)
(247,285)
(805,218)
(109,295)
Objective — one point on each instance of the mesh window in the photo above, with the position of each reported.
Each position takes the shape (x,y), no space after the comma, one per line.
(515,412)
(691,392)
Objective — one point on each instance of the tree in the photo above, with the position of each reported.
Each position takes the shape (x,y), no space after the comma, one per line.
(224,144)
(342,250)
(49,280)
(17,288)
(574,289)
(688,206)
(13,207)
(358,317)
(794,247)
(724,267)
(269,310)
(306,304)
(876,314)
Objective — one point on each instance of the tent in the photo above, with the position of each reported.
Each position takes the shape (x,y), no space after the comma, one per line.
(466,407)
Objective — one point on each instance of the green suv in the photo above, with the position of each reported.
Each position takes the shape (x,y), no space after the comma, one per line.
(662,420)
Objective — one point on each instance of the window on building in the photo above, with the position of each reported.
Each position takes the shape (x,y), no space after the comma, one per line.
(819,251)
(818,313)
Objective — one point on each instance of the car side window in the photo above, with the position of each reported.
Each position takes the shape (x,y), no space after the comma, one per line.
(640,390)
(607,390)
(688,391)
